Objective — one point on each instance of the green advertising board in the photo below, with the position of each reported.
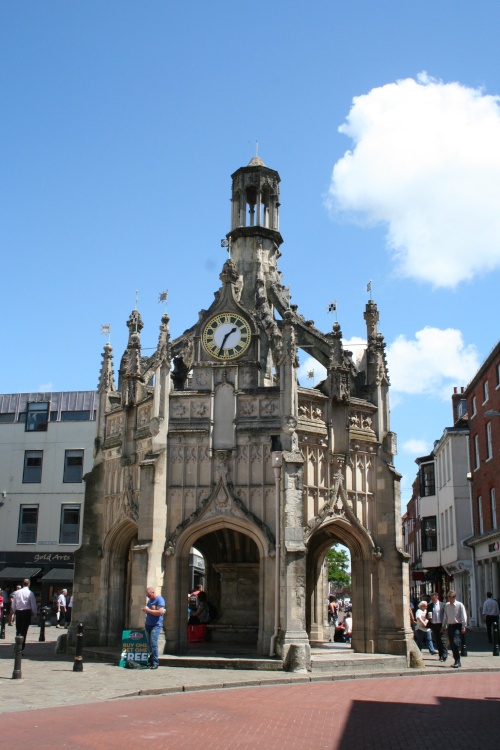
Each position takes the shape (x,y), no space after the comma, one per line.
(134,648)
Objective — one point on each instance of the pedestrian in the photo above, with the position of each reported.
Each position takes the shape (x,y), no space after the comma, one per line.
(490,613)
(455,624)
(61,608)
(435,614)
(12,614)
(69,610)
(154,610)
(23,606)
(422,630)
(348,627)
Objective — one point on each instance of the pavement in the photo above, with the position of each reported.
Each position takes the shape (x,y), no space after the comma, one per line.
(48,679)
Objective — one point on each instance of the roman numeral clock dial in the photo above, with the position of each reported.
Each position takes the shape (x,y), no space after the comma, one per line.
(226,336)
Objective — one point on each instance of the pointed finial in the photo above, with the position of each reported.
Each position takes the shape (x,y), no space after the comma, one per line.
(369,288)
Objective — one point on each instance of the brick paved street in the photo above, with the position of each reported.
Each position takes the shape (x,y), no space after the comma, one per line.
(219,709)
(456,711)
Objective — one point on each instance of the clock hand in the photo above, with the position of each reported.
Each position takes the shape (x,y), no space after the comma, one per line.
(233,330)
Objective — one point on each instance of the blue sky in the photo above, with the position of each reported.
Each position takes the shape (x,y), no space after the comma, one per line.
(123,121)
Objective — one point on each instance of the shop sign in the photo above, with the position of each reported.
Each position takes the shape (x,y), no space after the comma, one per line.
(134,648)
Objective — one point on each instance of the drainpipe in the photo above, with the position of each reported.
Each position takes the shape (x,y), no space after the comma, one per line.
(277,460)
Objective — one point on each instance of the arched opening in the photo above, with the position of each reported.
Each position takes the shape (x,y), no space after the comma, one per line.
(232,576)
(116,582)
(364,584)
(238,583)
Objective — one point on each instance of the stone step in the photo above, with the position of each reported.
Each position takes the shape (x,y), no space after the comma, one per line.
(221,662)
(349,663)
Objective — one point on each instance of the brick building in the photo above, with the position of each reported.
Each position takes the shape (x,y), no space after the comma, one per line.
(482,397)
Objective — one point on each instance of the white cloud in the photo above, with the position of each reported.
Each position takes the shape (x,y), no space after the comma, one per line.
(45,388)
(432,363)
(416,447)
(426,162)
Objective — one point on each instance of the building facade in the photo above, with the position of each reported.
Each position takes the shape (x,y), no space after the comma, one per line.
(46,440)
(440,509)
(482,402)
(212,443)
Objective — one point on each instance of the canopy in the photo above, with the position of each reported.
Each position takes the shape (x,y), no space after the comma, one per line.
(19,574)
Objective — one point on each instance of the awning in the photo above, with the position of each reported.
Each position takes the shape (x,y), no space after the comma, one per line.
(13,574)
(58,574)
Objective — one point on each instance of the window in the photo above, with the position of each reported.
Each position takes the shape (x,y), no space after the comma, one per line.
(446,528)
(429,534)
(498,376)
(32,473)
(480,514)
(28,521)
(427,481)
(7,418)
(37,417)
(442,531)
(75,416)
(452,537)
(73,466)
(485,391)
(70,524)
(473,405)
(489,449)
(493,502)
(462,408)
(476,452)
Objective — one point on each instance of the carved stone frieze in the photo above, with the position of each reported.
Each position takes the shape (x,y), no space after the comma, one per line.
(221,501)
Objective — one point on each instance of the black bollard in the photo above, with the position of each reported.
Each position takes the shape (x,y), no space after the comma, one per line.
(2,624)
(18,658)
(78,665)
(463,650)
(494,635)
(43,618)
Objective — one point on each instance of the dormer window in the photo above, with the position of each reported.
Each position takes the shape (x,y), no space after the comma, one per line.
(37,417)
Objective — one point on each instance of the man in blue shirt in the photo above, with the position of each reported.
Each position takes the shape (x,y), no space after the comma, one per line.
(154,609)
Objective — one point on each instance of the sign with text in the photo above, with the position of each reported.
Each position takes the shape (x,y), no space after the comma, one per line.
(134,648)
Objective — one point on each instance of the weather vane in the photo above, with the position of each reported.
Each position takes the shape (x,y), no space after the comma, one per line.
(106,330)
(332,308)
(369,288)
(226,243)
(163,297)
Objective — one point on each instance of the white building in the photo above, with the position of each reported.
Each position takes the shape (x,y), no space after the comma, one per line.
(46,447)
(441,504)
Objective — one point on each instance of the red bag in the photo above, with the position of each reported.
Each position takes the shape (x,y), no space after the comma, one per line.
(197,633)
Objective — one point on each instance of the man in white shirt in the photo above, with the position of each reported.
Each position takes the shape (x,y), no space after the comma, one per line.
(23,606)
(61,608)
(455,621)
(435,614)
(490,613)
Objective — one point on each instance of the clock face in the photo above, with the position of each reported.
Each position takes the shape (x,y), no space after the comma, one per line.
(226,336)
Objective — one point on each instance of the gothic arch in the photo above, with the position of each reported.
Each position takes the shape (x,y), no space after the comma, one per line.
(364,569)
(236,553)
(115,579)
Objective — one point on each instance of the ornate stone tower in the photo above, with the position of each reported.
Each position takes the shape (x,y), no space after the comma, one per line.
(212,443)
